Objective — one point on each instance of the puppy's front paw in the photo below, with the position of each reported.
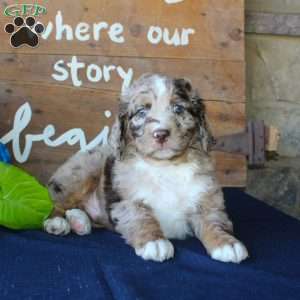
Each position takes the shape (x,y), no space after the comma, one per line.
(57,226)
(79,221)
(158,250)
(235,252)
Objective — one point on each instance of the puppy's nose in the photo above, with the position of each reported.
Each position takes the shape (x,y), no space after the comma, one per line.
(161,135)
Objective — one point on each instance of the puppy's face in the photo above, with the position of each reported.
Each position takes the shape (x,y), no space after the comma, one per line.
(163,116)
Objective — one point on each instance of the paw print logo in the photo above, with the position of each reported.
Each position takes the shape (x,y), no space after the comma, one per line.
(24,33)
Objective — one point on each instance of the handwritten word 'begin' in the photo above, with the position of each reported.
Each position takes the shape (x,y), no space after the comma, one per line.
(115,32)
(71,137)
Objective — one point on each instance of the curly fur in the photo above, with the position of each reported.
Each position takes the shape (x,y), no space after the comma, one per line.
(149,189)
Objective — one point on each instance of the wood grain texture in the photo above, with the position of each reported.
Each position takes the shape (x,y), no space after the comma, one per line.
(68,107)
(274,6)
(219,26)
(273,23)
(218,80)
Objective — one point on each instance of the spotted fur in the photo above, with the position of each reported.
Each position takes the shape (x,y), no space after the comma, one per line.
(154,180)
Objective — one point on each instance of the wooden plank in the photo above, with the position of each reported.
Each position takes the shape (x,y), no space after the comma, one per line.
(231,169)
(273,138)
(225,118)
(218,80)
(68,108)
(218,26)
(270,23)
(274,6)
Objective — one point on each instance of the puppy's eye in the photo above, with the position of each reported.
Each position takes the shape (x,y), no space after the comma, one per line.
(142,112)
(178,109)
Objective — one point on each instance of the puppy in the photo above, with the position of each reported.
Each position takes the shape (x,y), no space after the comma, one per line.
(154,181)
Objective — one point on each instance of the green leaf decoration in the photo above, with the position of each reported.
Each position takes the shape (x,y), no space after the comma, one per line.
(24,202)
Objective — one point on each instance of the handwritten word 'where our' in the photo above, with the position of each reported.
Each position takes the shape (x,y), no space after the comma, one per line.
(84,32)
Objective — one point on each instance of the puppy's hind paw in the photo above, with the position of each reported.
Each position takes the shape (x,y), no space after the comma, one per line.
(158,250)
(79,221)
(234,253)
(57,226)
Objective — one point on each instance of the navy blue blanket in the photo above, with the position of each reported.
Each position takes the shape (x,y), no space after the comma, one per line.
(35,265)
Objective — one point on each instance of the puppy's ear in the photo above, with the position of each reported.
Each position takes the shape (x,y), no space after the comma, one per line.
(205,136)
(117,138)
(183,87)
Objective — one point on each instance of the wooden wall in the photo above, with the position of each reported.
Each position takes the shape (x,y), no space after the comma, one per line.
(213,60)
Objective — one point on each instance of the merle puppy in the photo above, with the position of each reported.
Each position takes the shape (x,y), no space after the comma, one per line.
(154,181)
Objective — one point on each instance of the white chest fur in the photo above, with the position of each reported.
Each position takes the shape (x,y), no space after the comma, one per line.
(172,191)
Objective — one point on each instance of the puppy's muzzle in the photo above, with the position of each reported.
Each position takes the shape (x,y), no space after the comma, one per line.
(161,135)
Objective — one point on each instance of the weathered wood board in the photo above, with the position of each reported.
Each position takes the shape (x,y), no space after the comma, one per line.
(218,24)
(215,79)
(36,101)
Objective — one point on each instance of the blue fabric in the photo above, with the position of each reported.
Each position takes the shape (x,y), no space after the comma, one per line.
(4,154)
(34,265)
